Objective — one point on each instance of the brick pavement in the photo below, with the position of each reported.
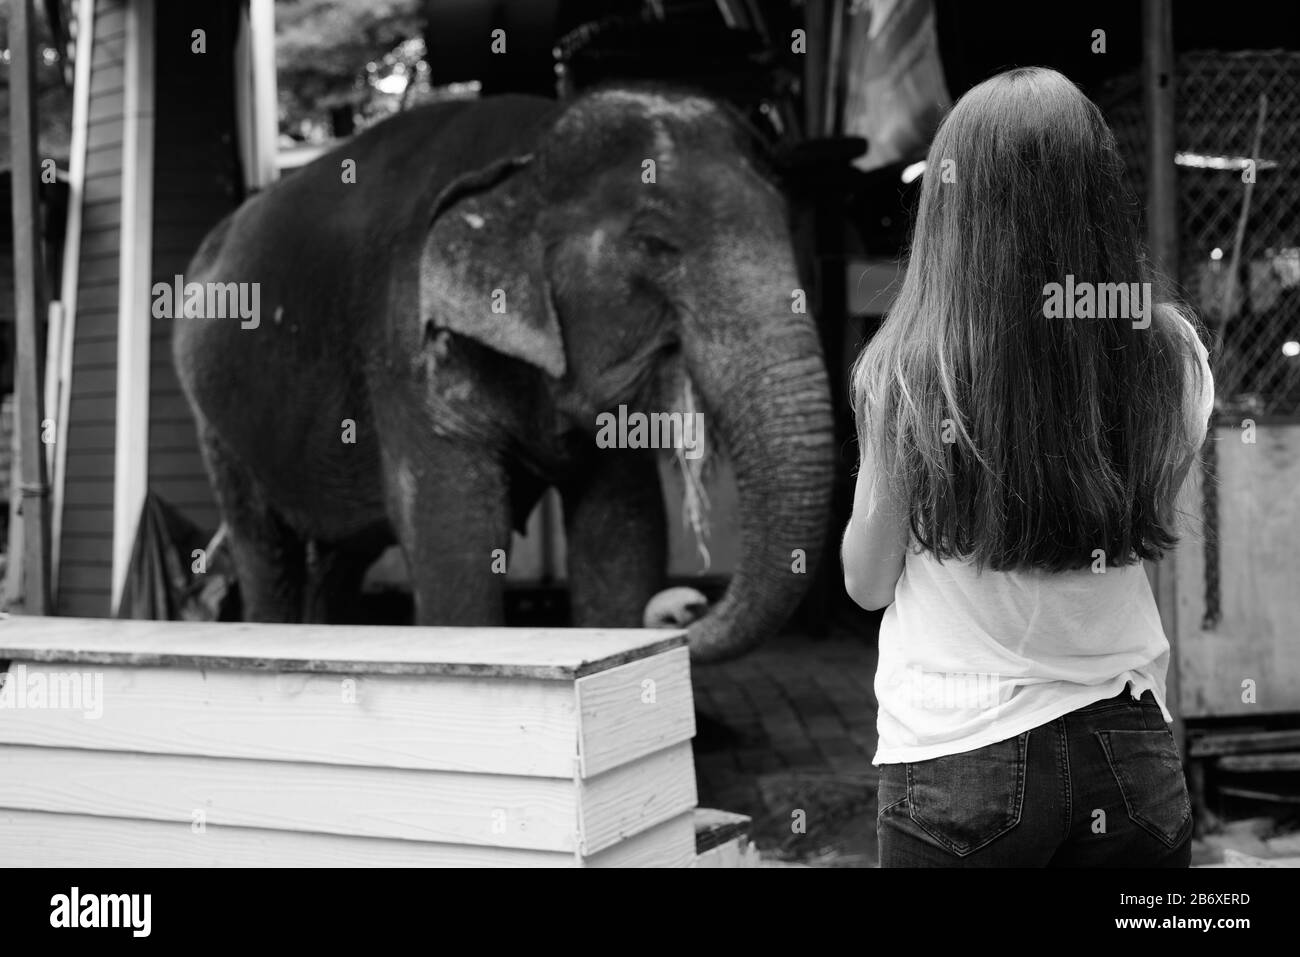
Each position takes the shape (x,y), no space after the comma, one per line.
(790,729)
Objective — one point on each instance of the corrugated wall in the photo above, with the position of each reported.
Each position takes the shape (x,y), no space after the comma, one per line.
(86,555)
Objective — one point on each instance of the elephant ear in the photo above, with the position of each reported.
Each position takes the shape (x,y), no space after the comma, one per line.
(481,267)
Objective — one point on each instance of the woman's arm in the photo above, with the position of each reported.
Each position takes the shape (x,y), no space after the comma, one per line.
(875,540)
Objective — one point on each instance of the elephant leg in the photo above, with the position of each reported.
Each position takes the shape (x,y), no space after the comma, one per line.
(332,593)
(617,539)
(269,557)
(451,511)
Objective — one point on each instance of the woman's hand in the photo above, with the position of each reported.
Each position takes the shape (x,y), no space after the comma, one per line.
(875,540)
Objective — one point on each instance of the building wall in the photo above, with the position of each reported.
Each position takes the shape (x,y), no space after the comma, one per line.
(86,554)
(197,180)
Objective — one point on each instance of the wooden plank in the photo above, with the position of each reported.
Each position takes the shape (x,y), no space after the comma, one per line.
(95,322)
(98,267)
(488,726)
(96,215)
(106,104)
(97,380)
(109,78)
(131,468)
(172,435)
(39,839)
(61,357)
(168,464)
(104,170)
(496,810)
(103,134)
(1260,763)
(633,710)
(542,653)
(714,828)
(670,844)
(1242,742)
(94,352)
(1276,797)
(737,852)
(185,489)
(30,312)
(78,601)
(1249,664)
(627,800)
(105,173)
(171,406)
(98,294)
(85,446)
(110,18)
(90,409)
(76,573)
(90,489)
(108,52)
(79,520)
(91,551)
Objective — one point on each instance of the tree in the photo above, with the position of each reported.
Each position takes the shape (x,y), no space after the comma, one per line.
(53,98)
(331,54)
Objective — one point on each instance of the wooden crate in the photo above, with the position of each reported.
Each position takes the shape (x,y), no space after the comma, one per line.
(302,745)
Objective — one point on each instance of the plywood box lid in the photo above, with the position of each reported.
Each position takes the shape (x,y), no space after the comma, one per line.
(545,653)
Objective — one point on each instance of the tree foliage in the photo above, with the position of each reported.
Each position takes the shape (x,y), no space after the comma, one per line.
(53,98)
(323,51)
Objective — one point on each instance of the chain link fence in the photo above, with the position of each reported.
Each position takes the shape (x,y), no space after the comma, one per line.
(1238,119)
(1238,142)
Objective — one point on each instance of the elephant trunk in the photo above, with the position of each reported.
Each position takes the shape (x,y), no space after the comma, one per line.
(774,417)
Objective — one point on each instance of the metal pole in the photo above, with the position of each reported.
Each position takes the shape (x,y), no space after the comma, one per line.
(29,301)
(1162,239)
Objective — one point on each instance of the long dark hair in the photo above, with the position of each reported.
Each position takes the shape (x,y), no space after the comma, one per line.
(1014,439)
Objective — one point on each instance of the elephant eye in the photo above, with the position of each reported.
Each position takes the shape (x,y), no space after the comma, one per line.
(656,245)
(650,228)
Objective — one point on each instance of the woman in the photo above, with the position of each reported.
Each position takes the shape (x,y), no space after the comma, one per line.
(1026,417)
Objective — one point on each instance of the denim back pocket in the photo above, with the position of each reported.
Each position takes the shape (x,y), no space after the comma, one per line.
(1150,776)
(965,801)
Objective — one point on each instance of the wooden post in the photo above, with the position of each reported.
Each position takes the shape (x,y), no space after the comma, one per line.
(1162,238)
(29,295)
(135,272)
(814,74)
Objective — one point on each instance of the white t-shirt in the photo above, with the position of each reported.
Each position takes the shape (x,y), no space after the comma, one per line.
(970,659)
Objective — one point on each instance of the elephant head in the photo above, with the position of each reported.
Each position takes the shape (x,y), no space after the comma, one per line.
(637,252)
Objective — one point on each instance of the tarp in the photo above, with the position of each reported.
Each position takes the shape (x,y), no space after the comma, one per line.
(177,571)
(895,92)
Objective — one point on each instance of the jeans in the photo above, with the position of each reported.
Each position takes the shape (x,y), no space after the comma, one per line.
(1100,787)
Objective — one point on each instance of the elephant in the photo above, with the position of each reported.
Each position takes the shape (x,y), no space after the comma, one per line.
(450,300)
